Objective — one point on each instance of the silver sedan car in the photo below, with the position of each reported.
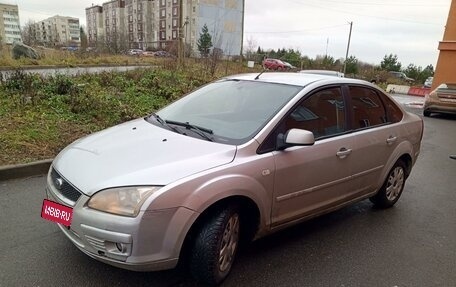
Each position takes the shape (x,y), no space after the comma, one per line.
(233,161)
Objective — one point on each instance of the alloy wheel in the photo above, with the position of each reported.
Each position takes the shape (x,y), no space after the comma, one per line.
(229,243)
(395,183)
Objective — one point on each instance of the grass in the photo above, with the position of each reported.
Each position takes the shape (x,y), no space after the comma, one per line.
(40,116)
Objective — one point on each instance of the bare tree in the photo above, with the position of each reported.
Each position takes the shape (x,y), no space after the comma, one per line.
(250,49)
(29,33)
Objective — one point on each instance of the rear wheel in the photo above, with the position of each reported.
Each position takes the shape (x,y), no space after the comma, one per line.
(426,113)
(392,188)
(215,246)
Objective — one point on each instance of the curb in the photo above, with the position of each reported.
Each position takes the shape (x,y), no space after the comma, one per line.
(9,172)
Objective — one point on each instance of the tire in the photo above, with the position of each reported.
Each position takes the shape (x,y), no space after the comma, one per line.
(426,113)
(392,188)
(215,246)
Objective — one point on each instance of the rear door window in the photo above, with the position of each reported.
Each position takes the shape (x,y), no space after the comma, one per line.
(368,109)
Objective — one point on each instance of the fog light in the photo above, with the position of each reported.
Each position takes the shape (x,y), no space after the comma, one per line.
(120,247)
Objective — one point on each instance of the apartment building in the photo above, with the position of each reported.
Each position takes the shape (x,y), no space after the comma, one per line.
(58,31)
(10,29)
(224,19)
(139,23)
(114,24)
(94,21)
(158,24)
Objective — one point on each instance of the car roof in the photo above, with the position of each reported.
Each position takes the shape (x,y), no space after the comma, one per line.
(297,79)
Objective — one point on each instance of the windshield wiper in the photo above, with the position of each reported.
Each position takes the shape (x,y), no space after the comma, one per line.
(198,130)
(163,122)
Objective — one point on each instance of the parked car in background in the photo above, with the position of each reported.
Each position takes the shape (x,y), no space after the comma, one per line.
(135,52)
(274,64)
(148,54)
(440,100)
(163,54)
(323,72)
(401,76)
(239,158)
(428,82)
(289,66)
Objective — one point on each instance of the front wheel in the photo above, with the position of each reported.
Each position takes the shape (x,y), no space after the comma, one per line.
(215,246)
(426,113)
(392,188)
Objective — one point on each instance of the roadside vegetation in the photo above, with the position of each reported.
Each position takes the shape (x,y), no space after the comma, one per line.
(41,115)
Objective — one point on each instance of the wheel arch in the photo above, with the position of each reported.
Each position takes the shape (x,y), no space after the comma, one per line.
(250,220)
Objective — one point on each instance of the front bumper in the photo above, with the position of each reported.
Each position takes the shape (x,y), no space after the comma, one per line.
(149,242)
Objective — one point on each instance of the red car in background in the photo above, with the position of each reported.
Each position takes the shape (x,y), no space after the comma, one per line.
(274,64)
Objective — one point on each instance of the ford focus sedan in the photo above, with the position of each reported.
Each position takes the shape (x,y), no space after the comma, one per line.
(233,161)
(440,100)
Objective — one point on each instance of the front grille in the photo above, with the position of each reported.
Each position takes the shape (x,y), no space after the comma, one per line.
(64,187)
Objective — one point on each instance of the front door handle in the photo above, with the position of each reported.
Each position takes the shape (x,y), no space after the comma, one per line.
(343,152)
(391,140)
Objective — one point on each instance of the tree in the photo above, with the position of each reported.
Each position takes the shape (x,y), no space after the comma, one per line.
(413,71)
(352,65)
(204,42)
(250,48)
(83,37)
(29,33)
(390,63)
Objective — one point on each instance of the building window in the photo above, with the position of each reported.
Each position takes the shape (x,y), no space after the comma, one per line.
(163,13)
(139,27)
(174,34)
(162,24)
(174,23)
(130,27)
(174,11)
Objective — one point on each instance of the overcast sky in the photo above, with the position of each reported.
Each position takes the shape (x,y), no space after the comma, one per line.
(410,28)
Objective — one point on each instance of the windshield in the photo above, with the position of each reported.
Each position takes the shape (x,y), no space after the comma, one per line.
(234,111)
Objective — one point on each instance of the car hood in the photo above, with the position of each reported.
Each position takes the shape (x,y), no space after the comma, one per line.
(137,153)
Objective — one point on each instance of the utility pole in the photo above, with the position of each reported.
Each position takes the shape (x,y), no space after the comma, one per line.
(348,47)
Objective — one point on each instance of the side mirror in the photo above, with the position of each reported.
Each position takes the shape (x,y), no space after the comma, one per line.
(295,137)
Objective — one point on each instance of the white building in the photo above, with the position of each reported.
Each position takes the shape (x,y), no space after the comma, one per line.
(10,30)
(58,31)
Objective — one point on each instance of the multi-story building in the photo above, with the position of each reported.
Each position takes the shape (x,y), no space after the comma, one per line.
(114,24)
(139,21)
(58,31)
(224,19)
(159,24)
(10,30)
(95,27)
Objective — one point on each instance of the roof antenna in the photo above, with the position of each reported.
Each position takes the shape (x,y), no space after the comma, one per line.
(258,76)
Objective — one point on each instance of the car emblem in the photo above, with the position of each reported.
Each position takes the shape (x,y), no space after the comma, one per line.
(58,182)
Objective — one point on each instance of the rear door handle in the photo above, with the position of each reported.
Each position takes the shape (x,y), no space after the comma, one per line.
(343,152)
(391,140)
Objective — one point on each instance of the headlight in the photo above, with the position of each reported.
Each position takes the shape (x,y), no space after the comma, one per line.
(123,200)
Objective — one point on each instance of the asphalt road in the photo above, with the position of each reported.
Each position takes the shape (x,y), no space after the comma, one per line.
(411,244)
